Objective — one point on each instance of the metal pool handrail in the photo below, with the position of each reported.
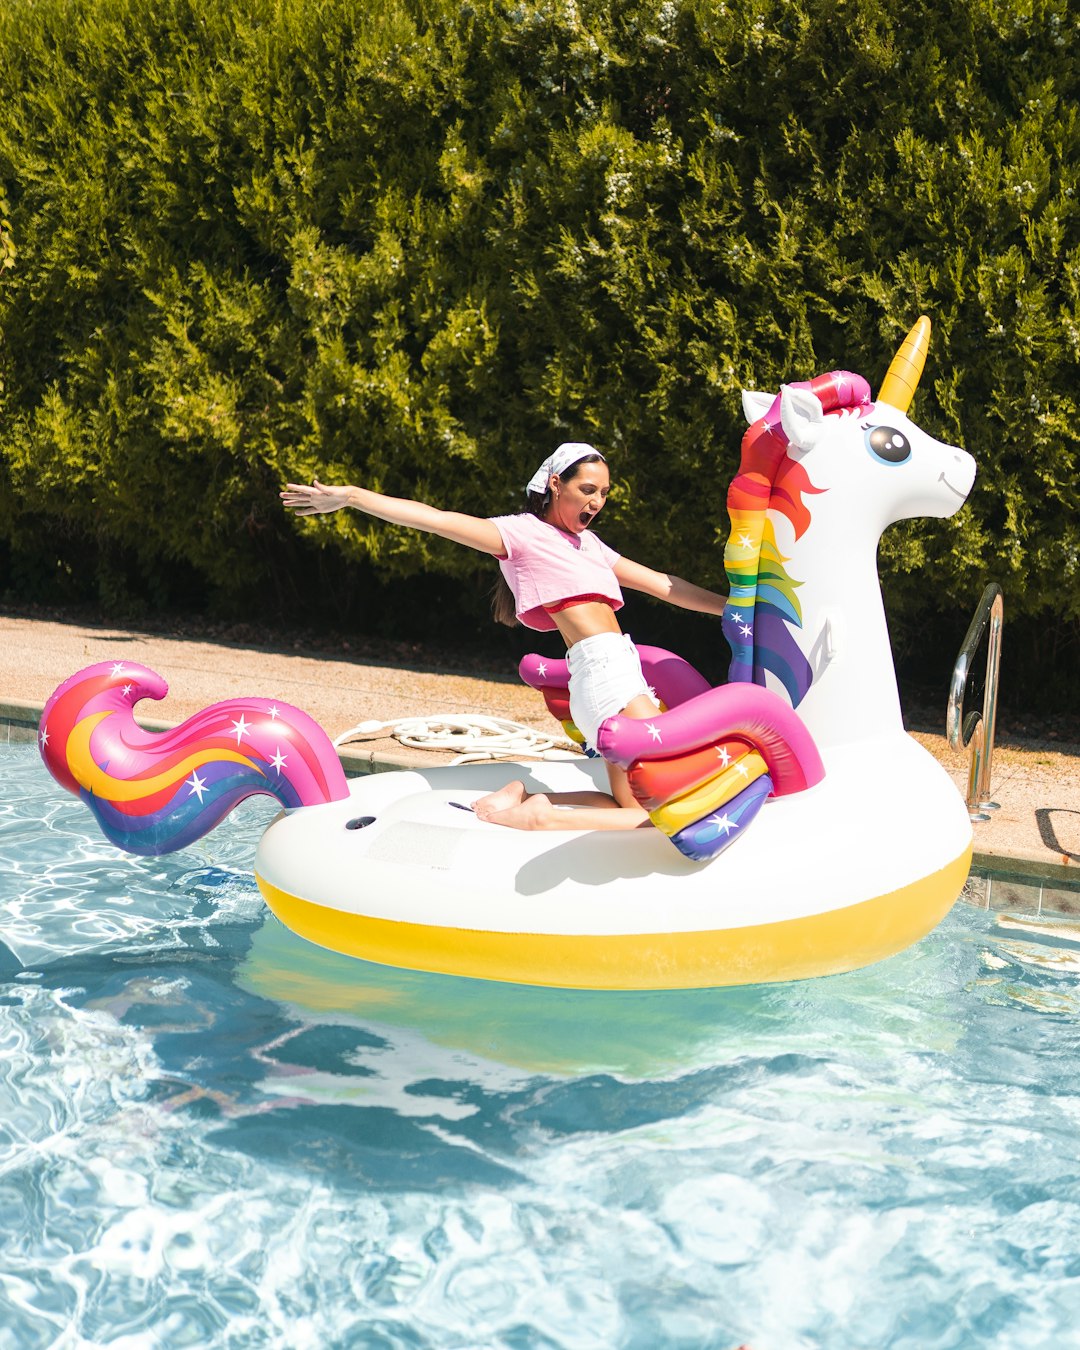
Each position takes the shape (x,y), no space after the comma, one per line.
(977,729)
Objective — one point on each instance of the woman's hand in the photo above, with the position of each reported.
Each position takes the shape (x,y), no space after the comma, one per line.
(316,500)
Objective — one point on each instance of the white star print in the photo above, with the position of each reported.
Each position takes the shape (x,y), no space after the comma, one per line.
(43,736)
(241,728)
(118,669)
(196,784)
(541,669)
(736,618)
(745,629)
(725,757)
(127,689)
(723,824)
(654,732)
(741,769)
(279,759)
(273,712)
(745,541)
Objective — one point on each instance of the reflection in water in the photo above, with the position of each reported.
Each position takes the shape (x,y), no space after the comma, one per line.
(540,1030)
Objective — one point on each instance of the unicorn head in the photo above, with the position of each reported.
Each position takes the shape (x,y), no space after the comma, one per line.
(825,470)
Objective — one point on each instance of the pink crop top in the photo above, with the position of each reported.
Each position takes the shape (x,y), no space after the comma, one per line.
(544,566)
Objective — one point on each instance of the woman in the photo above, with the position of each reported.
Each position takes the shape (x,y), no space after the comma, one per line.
(558,575)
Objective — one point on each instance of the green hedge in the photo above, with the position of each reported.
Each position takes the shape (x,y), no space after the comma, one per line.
(412,243)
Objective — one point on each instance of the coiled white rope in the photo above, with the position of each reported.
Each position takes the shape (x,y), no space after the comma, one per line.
(473,738)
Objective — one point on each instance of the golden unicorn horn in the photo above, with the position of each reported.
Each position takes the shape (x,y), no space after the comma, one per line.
(902,378)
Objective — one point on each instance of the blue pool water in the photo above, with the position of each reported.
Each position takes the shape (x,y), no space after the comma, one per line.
(214,1134)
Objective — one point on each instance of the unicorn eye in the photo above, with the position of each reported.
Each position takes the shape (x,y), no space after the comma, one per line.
(888,445)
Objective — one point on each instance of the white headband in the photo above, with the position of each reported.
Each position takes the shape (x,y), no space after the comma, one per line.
(568,453)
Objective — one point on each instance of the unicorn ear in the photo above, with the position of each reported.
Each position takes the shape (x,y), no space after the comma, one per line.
(755,405)
(801,416)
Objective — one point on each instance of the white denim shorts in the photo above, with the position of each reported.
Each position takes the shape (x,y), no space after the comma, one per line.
(605,675)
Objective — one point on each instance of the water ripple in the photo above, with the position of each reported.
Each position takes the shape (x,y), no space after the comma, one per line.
(212,1134)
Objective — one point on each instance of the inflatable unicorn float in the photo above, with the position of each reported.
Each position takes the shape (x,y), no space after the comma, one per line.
(799,830)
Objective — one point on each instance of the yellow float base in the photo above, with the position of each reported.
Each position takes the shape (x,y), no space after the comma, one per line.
(792,949)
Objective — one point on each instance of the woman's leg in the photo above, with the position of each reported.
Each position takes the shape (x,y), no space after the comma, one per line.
(513,794)
(512,805)
(641,707)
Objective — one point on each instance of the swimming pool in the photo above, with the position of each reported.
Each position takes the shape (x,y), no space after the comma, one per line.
(213,1134)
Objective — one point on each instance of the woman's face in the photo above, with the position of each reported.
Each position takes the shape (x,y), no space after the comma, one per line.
(576,502)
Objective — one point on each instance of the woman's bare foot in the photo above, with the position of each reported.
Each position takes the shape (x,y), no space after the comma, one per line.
(533,812)
(539,812)
(512,794)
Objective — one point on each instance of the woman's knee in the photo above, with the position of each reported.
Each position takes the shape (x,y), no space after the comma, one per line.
(620,787)
(641,706)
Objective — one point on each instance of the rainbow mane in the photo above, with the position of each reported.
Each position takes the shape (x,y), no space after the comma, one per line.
(763,607)
(154,792)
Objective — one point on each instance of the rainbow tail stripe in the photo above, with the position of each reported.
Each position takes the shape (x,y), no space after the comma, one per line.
(156,792)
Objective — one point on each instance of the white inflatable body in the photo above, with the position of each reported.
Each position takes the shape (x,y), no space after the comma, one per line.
(426,886)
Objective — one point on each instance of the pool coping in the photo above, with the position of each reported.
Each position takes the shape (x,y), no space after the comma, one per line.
(1002,871)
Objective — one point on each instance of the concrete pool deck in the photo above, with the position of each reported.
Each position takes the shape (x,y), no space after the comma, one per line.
(1032,841)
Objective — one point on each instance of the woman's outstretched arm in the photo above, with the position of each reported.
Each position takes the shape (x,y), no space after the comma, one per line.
(320,498)
(663,586)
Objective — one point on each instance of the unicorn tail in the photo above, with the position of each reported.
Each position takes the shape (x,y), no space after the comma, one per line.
(156,792)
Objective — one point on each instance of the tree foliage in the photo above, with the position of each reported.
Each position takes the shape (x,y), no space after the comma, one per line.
(413,243)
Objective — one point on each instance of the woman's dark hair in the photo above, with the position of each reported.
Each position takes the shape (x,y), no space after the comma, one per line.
(537,503)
